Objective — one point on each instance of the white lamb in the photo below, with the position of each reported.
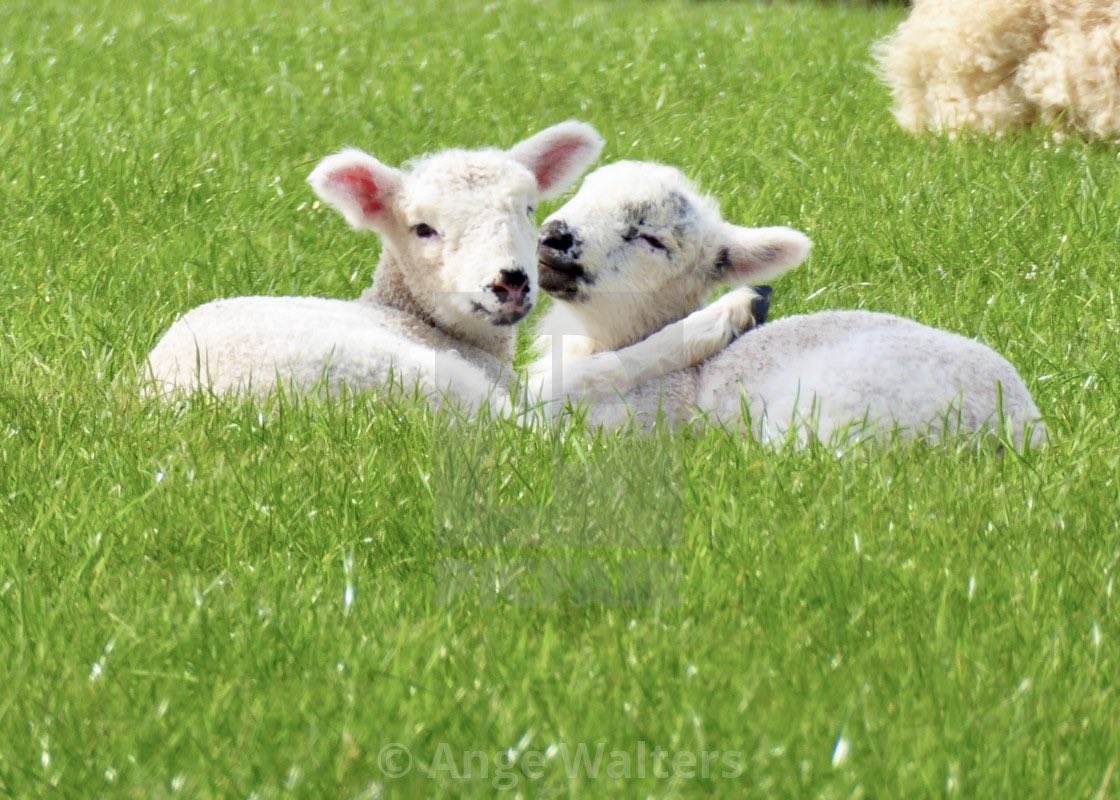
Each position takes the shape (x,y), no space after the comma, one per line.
(457,270)
(638,248)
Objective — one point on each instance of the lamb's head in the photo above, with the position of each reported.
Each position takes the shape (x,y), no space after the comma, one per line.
(639,247)
(459,225)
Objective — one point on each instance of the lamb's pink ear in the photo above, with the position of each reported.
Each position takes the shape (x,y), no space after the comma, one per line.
(559,155)
(359,186)
(756,255)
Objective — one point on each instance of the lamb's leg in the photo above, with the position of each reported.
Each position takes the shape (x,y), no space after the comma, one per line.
(677,346)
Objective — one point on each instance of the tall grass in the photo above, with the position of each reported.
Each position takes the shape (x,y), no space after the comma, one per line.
(216,599)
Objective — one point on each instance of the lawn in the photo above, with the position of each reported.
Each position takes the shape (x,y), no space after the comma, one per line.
(364,599)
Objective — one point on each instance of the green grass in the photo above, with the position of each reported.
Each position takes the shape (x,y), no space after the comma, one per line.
(174,611)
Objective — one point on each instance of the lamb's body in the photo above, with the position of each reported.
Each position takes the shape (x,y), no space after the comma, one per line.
(457,270)
(990,65)
(847,374)
(844,374)
(249,344)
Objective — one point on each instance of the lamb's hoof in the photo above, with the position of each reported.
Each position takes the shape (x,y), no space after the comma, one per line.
(760,306)
(746,308)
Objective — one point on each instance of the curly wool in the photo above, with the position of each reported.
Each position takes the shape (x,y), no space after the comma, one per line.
(992,65)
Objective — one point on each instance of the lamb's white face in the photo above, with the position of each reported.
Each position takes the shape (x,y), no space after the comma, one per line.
(465,230)
(638,227)
(461,223)
(632,227)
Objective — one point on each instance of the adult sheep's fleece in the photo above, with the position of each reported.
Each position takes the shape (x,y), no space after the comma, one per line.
(992,65)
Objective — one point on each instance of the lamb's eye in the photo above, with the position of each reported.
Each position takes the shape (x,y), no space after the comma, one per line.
(653,242)
(424,231)
(531,210)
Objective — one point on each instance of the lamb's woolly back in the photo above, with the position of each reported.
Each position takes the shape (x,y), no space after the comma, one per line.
(850,375)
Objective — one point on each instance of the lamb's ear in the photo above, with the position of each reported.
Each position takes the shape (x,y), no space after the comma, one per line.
(559,155)
(758,254)
(359,186)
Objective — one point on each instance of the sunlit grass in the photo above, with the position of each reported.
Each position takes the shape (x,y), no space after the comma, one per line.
(222,600)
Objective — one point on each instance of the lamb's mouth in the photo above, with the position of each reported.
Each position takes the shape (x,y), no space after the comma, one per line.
(503,316)
(563,280)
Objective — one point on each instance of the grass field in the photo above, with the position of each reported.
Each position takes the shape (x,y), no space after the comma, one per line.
(366,599)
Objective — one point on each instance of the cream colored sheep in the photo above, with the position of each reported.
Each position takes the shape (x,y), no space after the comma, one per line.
(991,65)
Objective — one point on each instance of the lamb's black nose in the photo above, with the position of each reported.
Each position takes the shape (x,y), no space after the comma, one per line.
(511,287)
(514,278)
(556,236)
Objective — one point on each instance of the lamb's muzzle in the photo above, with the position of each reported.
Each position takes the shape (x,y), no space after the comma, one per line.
(515,297)
(557,236)
(559,270)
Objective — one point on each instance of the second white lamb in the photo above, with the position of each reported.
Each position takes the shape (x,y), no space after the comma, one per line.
(638,248)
